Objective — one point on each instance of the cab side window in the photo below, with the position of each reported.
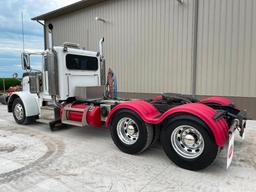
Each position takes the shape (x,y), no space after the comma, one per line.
(78,62)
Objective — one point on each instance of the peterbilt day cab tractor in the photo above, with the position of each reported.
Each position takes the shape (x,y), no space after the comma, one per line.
(191,131)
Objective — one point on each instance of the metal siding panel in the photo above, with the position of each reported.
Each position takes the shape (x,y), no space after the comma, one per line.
(252,46)
(211,42)
(174,63)
(188,47)
(179,48)
(247,49)
(241,47)
(234,47)
(148,43)
(188,36)
(144,37)
(228,44)
(221,45)
(226,47)
(215,53)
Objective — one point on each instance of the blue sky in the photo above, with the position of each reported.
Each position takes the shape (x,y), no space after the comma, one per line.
(10,30)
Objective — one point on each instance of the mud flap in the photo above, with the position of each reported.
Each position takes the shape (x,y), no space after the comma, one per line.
(243,136)
(230,149)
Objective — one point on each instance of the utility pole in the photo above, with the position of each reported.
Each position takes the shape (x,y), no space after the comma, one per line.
(22,30)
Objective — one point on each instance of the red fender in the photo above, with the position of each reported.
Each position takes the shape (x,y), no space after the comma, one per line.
(145,110)
(219,100)
(205,113)
(151,115)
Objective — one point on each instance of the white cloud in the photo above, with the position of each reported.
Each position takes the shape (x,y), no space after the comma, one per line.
(10,29)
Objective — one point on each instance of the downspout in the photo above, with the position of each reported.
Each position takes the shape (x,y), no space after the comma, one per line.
(194,56)
(45,43)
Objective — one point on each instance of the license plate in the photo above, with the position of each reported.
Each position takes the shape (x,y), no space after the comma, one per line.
(230,150)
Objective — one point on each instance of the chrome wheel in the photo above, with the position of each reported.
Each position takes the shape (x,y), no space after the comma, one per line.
(18,111)
(127,131)
(187,141)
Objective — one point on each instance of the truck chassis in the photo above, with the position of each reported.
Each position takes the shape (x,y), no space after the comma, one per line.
(190,131)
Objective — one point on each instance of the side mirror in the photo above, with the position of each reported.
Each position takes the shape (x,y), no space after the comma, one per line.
(15,75)
(25,61)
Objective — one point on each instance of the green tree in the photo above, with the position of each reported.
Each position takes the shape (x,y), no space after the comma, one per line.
(8,83)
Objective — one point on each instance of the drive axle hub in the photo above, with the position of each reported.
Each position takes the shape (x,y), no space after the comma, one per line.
(189,140)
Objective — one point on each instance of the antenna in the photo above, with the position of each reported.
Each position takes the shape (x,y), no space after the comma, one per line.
(22,30)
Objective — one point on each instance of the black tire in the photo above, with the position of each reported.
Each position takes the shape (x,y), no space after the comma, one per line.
(24,120)
(156,135)
(3,99)
(6,100)
(209,151)
(145,133)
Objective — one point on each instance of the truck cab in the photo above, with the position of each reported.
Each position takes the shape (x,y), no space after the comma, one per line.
(77,68)
(66,71)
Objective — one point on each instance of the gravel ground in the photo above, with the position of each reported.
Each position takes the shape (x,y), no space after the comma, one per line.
(34,159)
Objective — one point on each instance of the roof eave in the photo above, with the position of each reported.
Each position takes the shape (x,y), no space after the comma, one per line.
(67,9)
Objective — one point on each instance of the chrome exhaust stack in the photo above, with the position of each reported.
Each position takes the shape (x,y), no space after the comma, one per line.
(52,66)
(102,63)
(101,46)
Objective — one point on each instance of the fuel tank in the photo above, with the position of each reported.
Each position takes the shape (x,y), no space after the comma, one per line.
(92,117)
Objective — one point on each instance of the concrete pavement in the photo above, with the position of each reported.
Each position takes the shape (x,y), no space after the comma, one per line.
(34,159)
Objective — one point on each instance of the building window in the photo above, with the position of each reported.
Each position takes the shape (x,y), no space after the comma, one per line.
(78,62)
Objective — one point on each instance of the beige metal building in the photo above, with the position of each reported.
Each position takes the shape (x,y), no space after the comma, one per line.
(194,47)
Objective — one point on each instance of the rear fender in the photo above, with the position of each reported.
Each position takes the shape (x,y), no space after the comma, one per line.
(219,128)
(30,102)
(145,110)
(149,114)
(218,100)
(223,101)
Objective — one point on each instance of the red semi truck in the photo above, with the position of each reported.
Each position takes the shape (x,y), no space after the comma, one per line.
(191,131)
